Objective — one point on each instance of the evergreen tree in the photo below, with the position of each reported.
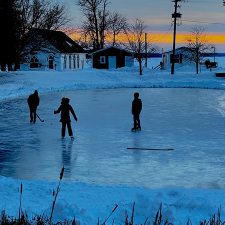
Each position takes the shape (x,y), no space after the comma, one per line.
(9,27)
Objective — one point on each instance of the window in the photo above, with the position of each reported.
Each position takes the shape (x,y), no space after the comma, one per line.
(51,62)
(34,63)
(102,60)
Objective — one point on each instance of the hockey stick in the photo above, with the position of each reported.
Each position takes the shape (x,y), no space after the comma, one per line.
(153,149)
(39,118)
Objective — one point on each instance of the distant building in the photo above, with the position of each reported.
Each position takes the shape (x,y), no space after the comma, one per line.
(51,50)
(182,57)
(112,58)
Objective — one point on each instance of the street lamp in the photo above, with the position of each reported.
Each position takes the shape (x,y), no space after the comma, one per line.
(214,53)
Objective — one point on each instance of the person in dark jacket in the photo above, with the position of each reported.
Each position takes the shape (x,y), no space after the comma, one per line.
(136,110)
(65,108)
(33,102)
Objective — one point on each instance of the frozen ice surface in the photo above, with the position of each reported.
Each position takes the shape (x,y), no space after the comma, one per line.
(189,120)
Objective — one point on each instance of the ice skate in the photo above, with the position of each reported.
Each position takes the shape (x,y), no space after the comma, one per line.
(139,128)
(133,129)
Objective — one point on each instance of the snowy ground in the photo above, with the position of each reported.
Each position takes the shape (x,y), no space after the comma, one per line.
(99,171)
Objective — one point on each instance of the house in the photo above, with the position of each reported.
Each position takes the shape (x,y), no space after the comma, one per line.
(112,58)
(182,57)
(51,50)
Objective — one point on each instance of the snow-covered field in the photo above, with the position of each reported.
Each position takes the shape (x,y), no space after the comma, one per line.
(189,184)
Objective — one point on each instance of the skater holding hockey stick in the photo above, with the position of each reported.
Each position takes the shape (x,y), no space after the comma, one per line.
(33,102)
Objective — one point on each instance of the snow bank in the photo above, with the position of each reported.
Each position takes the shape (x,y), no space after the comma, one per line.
(89,202)
(17,84)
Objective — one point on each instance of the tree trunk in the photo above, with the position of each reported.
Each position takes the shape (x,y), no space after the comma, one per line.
(3,67)
(140,67)
(197,56)
(10,67)
(114,38)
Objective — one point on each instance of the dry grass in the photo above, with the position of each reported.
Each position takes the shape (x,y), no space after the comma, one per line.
(215,219)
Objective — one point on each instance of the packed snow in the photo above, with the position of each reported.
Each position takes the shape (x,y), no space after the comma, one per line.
(99,171)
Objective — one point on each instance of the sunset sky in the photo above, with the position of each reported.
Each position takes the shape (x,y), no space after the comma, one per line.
(156,14)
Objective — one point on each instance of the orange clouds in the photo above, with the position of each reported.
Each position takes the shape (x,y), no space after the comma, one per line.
(181,38)
(167,38)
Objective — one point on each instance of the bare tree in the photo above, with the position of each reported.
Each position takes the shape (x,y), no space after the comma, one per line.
(104,15)
(197,45)
(42,14)
(117,25)
(136,41)
(96,20)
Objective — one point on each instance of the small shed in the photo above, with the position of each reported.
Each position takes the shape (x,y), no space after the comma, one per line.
(112,58)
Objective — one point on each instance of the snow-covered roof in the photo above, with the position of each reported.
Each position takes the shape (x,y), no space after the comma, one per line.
(111,47)
(58,39)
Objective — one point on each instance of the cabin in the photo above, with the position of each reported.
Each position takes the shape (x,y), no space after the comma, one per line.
(51,50)
(112,58)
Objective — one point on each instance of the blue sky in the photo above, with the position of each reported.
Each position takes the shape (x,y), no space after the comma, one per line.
(157,13)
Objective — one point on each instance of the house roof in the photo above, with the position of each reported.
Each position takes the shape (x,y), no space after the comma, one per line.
(59,40)
(183,48)
(110,47)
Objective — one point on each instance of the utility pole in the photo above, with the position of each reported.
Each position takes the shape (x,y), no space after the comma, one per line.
(146,54)
(175,15)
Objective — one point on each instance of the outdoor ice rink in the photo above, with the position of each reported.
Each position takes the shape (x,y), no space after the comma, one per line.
(191,121)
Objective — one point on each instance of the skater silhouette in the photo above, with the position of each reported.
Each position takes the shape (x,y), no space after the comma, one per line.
(33,102)
(65,108)
(136,110)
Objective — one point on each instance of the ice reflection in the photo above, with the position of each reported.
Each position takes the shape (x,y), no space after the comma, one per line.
(68,155)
